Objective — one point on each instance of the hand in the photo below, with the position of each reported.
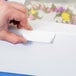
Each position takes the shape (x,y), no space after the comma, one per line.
(16,13)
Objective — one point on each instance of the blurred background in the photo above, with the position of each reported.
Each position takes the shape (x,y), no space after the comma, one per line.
(54,0)
(72,1)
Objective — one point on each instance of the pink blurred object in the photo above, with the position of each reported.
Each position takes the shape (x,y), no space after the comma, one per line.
(34,6)
(31,17)
(60,9)
(42,7)
(74,19)
(49,10)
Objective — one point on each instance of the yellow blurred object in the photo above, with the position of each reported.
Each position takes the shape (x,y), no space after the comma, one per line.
(33,11)
(65,16)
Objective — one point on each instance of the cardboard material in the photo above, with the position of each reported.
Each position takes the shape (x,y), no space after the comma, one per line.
(38,36)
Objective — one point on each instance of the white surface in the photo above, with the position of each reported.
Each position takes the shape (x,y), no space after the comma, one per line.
(40,59)
(67,29)
(38,36)
(56,59)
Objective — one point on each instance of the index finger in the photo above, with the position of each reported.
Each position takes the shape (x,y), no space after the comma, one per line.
(18,6)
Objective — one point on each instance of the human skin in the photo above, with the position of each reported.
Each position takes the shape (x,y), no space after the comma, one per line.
(12,11)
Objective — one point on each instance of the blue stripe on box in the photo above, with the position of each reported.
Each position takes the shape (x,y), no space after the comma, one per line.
(13,74)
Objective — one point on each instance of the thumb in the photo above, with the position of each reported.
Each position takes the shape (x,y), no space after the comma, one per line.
(24,24)
(12,38)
